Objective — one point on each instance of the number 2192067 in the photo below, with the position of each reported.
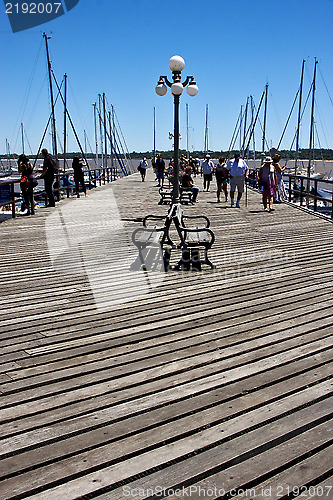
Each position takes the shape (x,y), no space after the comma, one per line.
(32,8)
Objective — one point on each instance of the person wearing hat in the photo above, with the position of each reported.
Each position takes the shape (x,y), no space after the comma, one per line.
(238,172)
(207,172)
(267,181)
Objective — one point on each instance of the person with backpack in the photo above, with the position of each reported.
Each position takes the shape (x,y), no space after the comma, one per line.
(27,183)
(49,170)
(143,168)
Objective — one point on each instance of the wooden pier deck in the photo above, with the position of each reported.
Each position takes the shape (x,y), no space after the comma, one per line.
(120,384)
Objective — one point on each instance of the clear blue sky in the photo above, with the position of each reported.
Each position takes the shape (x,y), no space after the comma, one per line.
(232,47)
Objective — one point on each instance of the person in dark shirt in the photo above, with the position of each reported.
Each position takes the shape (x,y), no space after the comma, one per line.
(222,177)
(48,176)
(27,183)
(160,168)
(78,176)
(187,183)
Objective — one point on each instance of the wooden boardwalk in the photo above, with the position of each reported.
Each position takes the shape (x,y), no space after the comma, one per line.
(120,384)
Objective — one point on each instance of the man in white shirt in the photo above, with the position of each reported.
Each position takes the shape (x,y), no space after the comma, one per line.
(238,172)
(207,171)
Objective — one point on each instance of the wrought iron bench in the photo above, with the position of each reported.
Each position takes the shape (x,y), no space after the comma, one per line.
(192,238)
(185,195)
(152,239)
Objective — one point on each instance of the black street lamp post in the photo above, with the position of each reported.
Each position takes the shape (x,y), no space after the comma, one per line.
(176,64)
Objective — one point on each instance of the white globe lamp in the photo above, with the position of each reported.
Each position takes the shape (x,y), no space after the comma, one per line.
(161,89)
(192,89)
(177,88)
(176,63)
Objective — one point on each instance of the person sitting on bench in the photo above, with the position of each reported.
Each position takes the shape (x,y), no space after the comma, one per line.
(187,183)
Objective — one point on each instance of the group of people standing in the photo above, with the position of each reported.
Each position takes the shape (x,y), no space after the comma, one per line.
(28,181)
(234,172)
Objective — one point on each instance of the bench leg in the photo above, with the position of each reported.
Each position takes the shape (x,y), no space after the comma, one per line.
(166,259)
(185,261)
(195,259)
(207,261)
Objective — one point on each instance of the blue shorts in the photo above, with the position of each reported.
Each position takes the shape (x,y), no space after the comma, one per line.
(160,175)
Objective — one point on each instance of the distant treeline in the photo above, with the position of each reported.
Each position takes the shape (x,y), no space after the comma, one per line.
(317,154)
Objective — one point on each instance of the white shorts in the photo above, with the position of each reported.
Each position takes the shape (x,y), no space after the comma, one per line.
(237,181)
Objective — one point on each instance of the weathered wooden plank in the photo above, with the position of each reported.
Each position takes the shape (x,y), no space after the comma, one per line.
(198,443)
(241,481)
(210,411)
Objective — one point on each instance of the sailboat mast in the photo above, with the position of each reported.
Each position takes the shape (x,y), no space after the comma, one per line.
(105,132)
(100,126)
(22,135)
(96,138)
(85,142)
(254,123)
(244,129)
(312,117)
(265,116)
(65,120)
(299,116)
(54,134)
(240,128)
(8,153)
(206,131)
(111,142)
(252,118)
(114,133)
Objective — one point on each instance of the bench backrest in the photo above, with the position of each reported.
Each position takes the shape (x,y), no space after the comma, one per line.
(179,215)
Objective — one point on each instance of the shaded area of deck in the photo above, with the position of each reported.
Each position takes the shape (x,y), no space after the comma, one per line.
(123,384)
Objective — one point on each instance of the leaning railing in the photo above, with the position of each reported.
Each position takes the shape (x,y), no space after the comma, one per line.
(309,193)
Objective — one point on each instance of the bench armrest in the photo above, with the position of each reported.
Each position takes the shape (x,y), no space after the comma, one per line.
(196,217)
(152,217)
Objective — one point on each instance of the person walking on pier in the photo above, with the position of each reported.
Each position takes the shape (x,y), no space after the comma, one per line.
(239,172)
(207,172)
(222,178)
(143,168)
(48,176)
(280,194)
(27,183)
(78,176)
(267,181)
(160,169)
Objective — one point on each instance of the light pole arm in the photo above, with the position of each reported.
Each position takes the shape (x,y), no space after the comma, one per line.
(188,78)
(165,80)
